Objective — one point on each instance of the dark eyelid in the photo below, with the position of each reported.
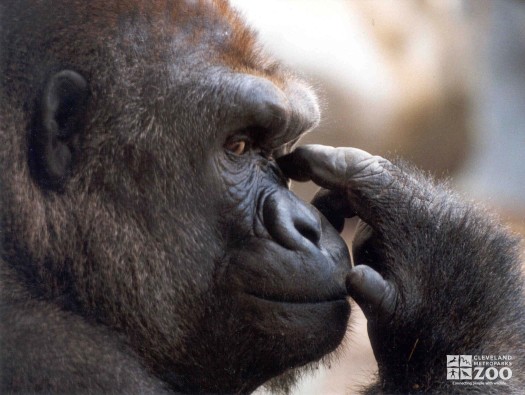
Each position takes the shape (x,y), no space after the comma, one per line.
(266,141)
(248,134)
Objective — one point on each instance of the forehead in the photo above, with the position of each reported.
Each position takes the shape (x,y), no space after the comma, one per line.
(166,27)
(71,31)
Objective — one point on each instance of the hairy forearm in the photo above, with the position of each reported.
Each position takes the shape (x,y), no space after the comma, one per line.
(460,289)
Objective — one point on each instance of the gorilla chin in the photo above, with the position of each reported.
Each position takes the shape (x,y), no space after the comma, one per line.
(307,330)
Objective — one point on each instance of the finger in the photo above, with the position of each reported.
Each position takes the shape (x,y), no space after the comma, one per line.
(375,295)
(329,167)
(334,205)
(369,181)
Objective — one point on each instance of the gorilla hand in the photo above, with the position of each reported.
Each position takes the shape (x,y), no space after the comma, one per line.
(432,272)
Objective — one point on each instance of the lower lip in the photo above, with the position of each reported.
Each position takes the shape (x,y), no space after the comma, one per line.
(289,302)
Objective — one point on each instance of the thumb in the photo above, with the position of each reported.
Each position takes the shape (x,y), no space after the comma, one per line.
(376,296)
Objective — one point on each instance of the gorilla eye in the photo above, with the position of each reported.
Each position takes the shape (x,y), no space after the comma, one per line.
(239,147)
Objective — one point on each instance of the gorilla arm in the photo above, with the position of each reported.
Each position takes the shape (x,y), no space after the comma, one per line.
(434,275)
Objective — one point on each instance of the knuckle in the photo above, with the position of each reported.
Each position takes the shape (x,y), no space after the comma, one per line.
(370,169)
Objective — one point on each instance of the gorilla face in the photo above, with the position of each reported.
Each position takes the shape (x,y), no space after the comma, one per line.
(277,298)
(157,207)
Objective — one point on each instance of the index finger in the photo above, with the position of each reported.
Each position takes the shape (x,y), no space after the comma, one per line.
(366,181)
(328,167)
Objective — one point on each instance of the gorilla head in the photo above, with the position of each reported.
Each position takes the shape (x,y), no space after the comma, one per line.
(140,189)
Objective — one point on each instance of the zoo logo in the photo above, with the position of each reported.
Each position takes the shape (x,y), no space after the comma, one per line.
(460,367)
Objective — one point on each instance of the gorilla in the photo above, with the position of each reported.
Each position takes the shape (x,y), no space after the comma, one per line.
(149,239)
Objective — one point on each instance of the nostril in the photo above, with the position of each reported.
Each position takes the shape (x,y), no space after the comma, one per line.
(309,230)
(290,222)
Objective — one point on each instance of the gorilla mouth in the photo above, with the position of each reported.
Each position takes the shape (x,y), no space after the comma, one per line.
(289,299)
(286,277)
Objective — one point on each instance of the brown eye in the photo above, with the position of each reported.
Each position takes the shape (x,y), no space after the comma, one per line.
(239,147)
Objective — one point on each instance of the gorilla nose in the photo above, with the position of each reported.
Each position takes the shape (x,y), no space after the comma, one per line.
(291,222)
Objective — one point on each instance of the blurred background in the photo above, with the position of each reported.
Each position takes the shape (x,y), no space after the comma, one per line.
(440,83)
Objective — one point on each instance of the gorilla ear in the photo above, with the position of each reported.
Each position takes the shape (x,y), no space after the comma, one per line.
(58,122)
